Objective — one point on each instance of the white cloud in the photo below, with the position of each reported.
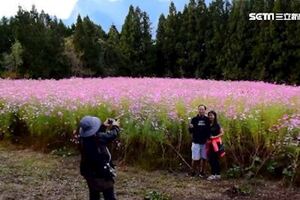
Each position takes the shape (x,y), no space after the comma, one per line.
(60,8)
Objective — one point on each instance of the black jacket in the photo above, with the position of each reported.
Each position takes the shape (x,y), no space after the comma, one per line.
(95,155)
(200,131)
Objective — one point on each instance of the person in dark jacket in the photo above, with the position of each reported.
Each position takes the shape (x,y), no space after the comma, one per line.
(214,145)
(199,129)
(95,165)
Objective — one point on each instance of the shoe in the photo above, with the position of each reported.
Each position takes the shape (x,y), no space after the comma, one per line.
(192,174)
(211,177)
(201,175)
(218,177)
(214,177)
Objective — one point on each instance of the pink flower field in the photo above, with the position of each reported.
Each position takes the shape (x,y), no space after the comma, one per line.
(223,96)
(178,97)
(265,118)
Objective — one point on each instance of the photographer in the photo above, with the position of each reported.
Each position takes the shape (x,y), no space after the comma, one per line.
(95,165)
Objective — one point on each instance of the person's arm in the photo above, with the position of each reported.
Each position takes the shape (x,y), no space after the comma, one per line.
(110,132)
(191,126)
(110,135)
(221,133)
(208,134)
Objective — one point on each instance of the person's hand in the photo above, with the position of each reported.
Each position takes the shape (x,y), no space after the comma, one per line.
(191,126)
(106,122)
(116,123)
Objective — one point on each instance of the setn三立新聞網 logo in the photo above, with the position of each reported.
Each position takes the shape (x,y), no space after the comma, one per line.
(273,16)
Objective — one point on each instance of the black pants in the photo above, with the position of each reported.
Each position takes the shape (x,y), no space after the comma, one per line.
(214,162)
(108,194)
(98,186)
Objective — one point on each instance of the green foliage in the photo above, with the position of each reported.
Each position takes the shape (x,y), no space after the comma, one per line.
(13,60)
(214,41)
(150,139)
(136,42)
(6,118)
(64,152)
(153,195)
(291,171)
(234,172)
(240,190)
(87,37)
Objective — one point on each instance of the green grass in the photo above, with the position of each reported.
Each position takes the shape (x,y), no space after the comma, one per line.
(147,136)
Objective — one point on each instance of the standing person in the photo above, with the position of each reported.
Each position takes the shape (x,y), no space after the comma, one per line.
(199,130)
(95,165)
(214,146)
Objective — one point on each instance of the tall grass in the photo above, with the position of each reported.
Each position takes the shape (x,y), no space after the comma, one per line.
(153,140)
(260,127)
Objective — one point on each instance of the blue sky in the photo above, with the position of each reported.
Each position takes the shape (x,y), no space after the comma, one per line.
(103,12)
(107,12)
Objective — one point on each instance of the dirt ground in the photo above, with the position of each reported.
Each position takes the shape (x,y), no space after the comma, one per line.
(25,174)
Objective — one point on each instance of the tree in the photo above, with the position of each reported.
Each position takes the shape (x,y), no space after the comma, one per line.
(6,38)
(216,42)
(293,47)
(136,42)
(87,41)
(74,59)
(278,69)
(130,39)
(113,36)
(116,63)
(239,42)
(13,60)
(147,50)
(169,47)
(5,35)
(43,45)
(160,67)
(261,52)
(218,13)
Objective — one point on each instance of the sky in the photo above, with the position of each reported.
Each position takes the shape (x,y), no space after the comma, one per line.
(102,12)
